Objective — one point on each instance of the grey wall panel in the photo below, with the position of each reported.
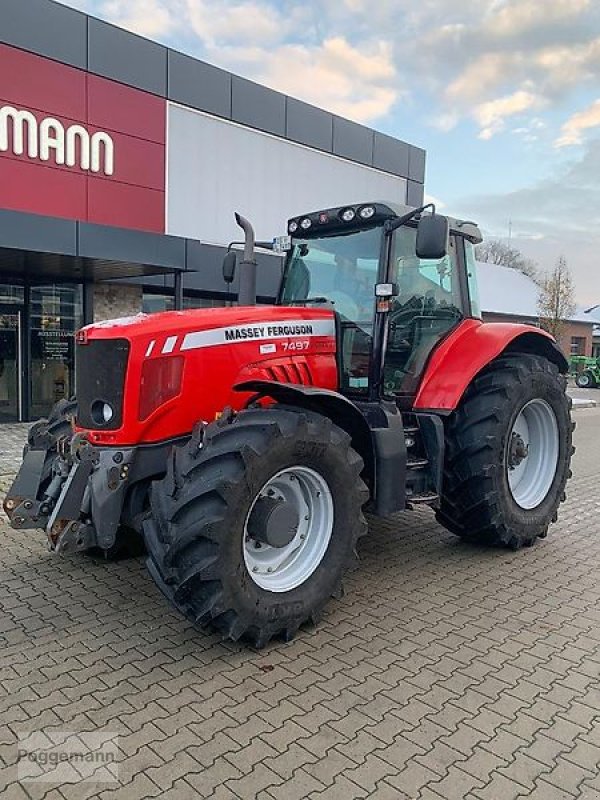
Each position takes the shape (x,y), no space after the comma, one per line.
(41,234)
(50,29)
(309,125)
(414,194)
(353,141)
(416,164)
(125,57)
(138,247)
(199,85)
(390,154)
(257,106)
(216,168)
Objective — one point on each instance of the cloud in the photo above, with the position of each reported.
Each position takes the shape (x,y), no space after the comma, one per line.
(523,16)
(487,51)
(573,128)
(559,214)
(491,115)
(219,23)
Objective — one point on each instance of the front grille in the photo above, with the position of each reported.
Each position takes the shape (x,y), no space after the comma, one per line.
(100,367)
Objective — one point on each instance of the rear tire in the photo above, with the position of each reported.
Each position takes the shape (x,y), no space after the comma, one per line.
(585,380)
(482,499)
(198,532)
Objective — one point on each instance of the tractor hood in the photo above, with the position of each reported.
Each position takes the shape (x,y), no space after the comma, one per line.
(151,377)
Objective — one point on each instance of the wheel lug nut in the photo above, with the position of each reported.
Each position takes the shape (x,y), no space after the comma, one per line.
(306,517)
(254,569)
(269,569)
(303,536)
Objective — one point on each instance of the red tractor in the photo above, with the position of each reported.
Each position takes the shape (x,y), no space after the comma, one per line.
(244,443)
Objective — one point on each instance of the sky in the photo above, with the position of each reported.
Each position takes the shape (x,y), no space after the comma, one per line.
(503,94)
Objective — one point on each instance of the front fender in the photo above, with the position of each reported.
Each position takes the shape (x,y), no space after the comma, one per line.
(470,348)
(338,408)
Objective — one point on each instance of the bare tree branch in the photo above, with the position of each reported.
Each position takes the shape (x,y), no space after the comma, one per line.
(494,251)
(556,301)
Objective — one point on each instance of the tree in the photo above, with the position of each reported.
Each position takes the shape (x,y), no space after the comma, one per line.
(494,251)
(556,301)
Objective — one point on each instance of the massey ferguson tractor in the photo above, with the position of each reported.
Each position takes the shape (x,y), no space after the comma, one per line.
(243,444)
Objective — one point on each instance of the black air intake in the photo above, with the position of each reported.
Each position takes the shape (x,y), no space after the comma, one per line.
(100,367)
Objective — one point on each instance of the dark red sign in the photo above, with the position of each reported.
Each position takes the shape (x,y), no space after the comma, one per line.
(79,146)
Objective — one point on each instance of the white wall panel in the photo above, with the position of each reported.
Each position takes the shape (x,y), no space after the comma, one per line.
(215,167)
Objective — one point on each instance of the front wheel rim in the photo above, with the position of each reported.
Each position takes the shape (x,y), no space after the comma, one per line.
(281,569)
(532,451)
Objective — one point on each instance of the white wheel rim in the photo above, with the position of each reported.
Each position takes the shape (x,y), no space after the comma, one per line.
(530,476)
(280,569)
(584,380)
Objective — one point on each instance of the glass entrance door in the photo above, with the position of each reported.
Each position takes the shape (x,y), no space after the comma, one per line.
(55,314)
(11,364)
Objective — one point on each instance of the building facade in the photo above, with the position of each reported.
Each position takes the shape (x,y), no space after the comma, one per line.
(121,164)
(507,295)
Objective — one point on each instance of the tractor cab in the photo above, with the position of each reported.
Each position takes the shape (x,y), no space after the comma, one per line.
(398,280)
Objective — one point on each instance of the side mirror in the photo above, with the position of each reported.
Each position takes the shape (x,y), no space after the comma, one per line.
(229,264)
(432,237)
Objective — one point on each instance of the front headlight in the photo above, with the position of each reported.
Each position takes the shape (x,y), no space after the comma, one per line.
(101,412)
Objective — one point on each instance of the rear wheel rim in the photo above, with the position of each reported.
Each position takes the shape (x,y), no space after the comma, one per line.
(532,451)
(281,569)
(584,380)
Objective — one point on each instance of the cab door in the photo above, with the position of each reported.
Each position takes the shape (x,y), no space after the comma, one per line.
(429,304)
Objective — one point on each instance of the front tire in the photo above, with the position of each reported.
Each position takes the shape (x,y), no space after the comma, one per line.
(217,501)
(508,453)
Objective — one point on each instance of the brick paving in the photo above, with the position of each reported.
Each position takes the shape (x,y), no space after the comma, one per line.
(447,671)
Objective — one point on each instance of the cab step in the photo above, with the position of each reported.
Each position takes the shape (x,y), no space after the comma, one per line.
(417,463)
(425,498)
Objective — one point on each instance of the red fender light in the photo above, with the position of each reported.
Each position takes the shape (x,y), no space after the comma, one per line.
(161,381)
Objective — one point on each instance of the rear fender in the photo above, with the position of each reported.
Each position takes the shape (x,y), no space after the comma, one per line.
(468,350)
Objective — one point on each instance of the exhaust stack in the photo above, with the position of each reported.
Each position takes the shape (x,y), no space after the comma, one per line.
(247,291)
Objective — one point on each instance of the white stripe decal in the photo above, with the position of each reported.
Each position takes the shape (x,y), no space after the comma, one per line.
(169,345)
(150,348)
(259,331)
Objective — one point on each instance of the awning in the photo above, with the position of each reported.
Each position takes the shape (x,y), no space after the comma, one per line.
(36,247)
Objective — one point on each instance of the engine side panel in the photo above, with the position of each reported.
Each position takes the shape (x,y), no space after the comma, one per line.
(467,350)
(211,350)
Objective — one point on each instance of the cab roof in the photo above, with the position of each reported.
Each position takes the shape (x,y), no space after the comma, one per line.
(382,211)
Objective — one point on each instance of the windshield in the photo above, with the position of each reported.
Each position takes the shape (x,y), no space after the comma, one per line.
(341,269)
(342,272)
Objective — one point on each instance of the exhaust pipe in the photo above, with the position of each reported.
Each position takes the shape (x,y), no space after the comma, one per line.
(247,291)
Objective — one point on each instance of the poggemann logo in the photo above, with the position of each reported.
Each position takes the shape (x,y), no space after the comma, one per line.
(49,140)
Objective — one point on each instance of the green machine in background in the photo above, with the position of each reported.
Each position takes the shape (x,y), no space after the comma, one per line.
(586,371)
